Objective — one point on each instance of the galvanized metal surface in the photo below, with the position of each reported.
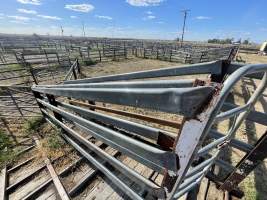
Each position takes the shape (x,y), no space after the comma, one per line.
(185,101)
(213,67)
(154,157)
(179,175)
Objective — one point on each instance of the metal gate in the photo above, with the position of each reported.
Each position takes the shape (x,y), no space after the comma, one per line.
(180,152)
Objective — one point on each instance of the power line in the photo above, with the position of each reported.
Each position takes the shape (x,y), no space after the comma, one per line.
(185,12)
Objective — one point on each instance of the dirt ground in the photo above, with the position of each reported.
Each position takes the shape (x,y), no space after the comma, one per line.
(130,65)
(253,58)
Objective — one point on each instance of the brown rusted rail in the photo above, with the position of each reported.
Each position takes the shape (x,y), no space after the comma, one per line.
(248,163)
(129,114)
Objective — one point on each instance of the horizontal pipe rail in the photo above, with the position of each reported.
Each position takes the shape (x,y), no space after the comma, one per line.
(231,113)
(185,101)
(234,142)
(205,68)
(201,107)
(151,156)
(132,84)
(104,170)
(143,130)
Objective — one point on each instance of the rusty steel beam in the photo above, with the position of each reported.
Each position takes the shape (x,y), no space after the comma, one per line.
(248,163)
(236,192)
(164,122)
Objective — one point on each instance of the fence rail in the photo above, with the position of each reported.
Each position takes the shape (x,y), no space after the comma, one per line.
(61,52)
(182,157)
(18,102)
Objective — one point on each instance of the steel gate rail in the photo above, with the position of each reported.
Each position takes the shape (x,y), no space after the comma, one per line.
(182,157)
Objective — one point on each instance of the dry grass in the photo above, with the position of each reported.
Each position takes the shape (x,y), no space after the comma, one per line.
(253,58)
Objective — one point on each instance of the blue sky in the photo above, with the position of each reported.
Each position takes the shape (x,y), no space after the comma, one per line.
(152,19)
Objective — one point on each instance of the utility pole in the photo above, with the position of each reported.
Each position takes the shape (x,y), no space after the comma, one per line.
(185,12)
(83,29)
(62,31)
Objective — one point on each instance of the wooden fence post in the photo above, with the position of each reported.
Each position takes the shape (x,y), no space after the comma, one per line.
(32,73)
(58,58)
(15,103)
(47,60)
(144,52)
(52,101)
(80,52)
(114,54)
(78,66)
(88,52)
(99,52)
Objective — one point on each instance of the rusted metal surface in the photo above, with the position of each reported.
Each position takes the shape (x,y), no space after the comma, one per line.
(192,131)
(130,114)
(248,163)
(175,156)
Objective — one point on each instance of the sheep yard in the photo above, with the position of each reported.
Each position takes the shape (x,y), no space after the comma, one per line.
(40,161)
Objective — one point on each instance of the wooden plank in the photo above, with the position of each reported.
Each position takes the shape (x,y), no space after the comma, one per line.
(60,188)
(3,183)
(23,190)
(104,184)
(21,164)
(89,175)
(108,189)
(120,194)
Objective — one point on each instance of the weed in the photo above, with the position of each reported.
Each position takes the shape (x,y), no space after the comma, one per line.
(32,126)
(54,141)
(53,144)
(89,62)
(248,186)
(11,67)
(6,154)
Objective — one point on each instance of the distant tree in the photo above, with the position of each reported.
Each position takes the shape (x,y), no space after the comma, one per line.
(246,41)
(228,41)
(221,41)
(239,41)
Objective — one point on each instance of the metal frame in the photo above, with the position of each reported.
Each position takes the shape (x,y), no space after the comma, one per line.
(201,107)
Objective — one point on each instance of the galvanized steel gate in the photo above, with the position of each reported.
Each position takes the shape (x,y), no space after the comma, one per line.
(182,158)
